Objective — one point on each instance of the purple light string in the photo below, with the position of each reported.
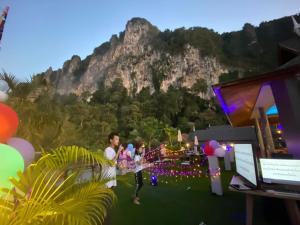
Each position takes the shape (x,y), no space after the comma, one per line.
(172,169)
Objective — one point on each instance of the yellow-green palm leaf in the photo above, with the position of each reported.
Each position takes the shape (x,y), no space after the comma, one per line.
(73,156)
(50,191)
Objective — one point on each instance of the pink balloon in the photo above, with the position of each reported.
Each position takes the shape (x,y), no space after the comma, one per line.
(24,147)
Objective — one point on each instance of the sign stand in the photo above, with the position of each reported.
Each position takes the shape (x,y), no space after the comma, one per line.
(215,175)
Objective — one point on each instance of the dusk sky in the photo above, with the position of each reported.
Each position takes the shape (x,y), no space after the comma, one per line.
(39,33)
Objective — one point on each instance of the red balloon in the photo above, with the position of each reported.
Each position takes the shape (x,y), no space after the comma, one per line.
(208,150)
(8,122)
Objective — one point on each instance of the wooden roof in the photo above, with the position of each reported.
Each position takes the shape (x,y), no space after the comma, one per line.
(238,98)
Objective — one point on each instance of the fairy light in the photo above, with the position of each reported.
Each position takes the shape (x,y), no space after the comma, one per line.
(214,173)
(163,170)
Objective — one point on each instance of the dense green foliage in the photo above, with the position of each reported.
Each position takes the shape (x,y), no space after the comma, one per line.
(52,121)
(208,41)
(230,76)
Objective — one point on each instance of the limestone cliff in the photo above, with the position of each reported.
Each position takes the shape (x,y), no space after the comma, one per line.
(132,57)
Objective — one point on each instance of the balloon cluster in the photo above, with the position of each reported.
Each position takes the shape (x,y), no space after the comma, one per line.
(15,153)
(214,148)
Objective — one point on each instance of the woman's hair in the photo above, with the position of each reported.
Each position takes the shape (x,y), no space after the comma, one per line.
(125,145)
(137,147)
(136,152)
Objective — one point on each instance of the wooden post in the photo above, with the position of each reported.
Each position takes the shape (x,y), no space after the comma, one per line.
(260,139)
(249,209)
(287,97)
(266,132)
(293,211)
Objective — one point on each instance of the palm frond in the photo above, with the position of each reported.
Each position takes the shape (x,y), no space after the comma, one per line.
(40,199)
(54,201)
(46,194)
(71,156)
(6,210)
(86,203)
(10,79)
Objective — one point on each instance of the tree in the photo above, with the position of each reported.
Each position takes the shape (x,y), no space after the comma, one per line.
(40,122)
(130,116)
(134,136)
(151,129)
(147,102)
(168,105)
(117,93)
(184,125)
(230,76)
(64,100)
(10,79)
(200,86)
(171,133)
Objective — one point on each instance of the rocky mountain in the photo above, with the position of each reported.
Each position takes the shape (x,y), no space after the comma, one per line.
(143,56)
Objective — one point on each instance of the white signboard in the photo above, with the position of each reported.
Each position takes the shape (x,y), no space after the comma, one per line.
(245,162)
(286,171)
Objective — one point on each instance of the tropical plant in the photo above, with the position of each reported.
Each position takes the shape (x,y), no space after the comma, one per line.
(10,79)
(200,86)
(171,132)
(151,129)
(53,191)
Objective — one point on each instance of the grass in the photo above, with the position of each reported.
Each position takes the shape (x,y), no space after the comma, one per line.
(172,204)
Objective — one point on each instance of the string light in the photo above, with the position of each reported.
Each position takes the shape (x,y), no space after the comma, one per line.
(214,173)
(173,167)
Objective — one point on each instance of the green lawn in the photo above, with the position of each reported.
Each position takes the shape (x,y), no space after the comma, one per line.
(173,204)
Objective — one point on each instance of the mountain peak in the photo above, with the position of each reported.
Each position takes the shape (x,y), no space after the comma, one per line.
(138,28)
(138,21)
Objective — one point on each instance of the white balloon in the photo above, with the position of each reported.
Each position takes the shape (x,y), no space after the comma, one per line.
(4,86)
(3,96)
(220,152)
(214,144)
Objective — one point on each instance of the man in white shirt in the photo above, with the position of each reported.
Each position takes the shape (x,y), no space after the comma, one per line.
(111,154)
